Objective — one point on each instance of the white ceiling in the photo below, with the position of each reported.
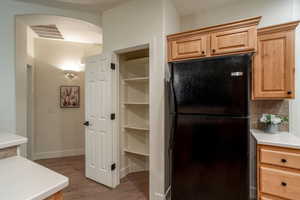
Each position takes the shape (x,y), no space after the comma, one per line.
(73,30)
(187,7)
(184,7)
(88,5)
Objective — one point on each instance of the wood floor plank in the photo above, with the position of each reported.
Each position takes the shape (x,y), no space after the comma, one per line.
(135,186)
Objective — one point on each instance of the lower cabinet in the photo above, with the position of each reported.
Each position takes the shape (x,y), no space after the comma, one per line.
(56,196)
(278,173)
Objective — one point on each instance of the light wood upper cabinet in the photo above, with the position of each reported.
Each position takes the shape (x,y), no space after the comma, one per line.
(231,38)
(274,63)
(191,47)
(234,41)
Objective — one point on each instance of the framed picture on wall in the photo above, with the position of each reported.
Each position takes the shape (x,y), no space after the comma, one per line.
(70,96)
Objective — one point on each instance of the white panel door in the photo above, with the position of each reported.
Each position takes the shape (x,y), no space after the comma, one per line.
(99,126)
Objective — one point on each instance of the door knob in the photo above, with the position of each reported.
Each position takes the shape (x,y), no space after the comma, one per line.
(87,123)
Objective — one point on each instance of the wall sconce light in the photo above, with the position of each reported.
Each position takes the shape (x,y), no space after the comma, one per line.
(70,74)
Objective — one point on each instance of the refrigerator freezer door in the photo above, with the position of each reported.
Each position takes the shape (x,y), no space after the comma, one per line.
(210,158)
(218,86)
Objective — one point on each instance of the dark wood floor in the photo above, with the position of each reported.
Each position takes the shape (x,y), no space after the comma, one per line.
(133,187)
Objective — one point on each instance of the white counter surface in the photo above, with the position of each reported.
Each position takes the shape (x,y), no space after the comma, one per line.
(22,179)
(280,139)
(9,140)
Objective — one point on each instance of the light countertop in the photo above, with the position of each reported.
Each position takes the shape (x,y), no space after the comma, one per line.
(280,139)
(9,140)
(22,179)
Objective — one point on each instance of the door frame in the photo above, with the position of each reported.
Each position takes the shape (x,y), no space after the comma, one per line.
(157,64)
(116,123)
(30,110)
(117,104)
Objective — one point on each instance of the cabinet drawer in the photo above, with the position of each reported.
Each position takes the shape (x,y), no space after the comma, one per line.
(188,47)
(280,183)
(280,158)
(234,41)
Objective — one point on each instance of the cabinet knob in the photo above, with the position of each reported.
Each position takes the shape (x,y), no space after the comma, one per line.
(283,160)
(289,92)
(203,52)
(213,50)
(283,184)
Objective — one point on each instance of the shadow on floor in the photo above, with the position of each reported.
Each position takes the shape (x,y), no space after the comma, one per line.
(135,186)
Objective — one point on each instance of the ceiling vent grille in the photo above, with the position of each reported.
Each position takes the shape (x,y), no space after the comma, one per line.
(47,31)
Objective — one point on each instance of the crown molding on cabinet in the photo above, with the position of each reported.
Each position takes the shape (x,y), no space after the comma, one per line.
(278,28)
(221,27)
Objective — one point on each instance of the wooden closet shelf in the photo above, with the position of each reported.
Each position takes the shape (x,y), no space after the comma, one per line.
(136,128)
(136,103)
(138,79)
(136,153)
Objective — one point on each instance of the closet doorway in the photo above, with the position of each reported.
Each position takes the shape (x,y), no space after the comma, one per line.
(134,112)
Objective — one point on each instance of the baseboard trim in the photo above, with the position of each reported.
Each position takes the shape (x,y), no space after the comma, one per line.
(58,154)
(124,172)
(252,192)
(166,196)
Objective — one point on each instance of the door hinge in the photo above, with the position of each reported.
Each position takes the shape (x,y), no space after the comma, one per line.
(112,116)
(113,167)
(113,66)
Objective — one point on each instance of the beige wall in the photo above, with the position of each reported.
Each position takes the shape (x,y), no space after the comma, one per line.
(273,12)
(146,22)
(295,104)
(58,132)
(21,62)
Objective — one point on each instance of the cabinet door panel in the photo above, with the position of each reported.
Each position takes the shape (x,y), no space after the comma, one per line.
(189,47)
(274,67)
(233,41)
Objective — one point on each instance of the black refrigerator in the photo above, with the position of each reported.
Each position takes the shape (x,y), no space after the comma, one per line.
(209,131)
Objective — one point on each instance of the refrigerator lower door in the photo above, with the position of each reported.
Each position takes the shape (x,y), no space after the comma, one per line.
(210,158)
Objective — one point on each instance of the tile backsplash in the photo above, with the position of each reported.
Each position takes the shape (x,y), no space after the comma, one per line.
(257,108)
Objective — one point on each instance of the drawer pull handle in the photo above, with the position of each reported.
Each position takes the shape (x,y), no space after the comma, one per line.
(284,184)
(283,160)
